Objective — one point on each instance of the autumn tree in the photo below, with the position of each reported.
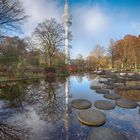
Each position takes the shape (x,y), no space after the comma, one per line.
(97,58)
(98,53)
(91,62)
(119,51)
(126,52)
(11,15)
(50,36)
(134,49)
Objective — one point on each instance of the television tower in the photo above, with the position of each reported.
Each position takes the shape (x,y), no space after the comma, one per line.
(67,19)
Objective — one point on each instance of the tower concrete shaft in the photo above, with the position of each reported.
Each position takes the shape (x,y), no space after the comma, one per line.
(67,18)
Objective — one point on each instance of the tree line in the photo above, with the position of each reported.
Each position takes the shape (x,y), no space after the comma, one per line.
(44,47)
(121,54)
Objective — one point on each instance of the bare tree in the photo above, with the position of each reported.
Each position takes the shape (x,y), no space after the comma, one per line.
(50,34)
(11,15)
(99,54)
(80,59)
(8,132)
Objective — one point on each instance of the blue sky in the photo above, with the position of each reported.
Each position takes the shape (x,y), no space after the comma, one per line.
(94,21)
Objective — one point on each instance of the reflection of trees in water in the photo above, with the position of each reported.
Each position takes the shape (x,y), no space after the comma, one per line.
(12,132)
(79,77)
(8,132)
(91,76)
(48,99)
(12,95)
(53,103)
(129,94)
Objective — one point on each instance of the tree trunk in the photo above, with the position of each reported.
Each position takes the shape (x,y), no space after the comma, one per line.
(50,61)
(112,57)
(112,63)
(135,63)
(122,66)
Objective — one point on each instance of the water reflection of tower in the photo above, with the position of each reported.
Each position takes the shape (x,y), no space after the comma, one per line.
(67,94)
(67,108)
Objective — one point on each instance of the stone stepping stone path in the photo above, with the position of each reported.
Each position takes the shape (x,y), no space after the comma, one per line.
(125,103)
(92,117)
(104,105)
(109,87)
(102,91)
(108,76)
(111,96)
(81,104)
(108,83)
(102,82)
(105,134)
(95,87)
(134,87)
(118,85)
(112,81)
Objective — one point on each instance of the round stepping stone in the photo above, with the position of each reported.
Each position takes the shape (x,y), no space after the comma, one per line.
(109,87)
(105,134)
(92,117)
(108,83)
(95,87)
(81,104)
(112,80)
(125,103)
(135,87)
(104,105)
(112,96)
(102,82)
(102,91)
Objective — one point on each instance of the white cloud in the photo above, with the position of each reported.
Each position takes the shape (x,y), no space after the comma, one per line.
(38,11)
(89,25)
(90,20)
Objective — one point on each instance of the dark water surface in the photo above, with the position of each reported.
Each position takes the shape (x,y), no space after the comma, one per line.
(39,111)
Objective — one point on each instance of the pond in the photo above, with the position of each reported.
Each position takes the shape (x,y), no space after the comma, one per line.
(40,110)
